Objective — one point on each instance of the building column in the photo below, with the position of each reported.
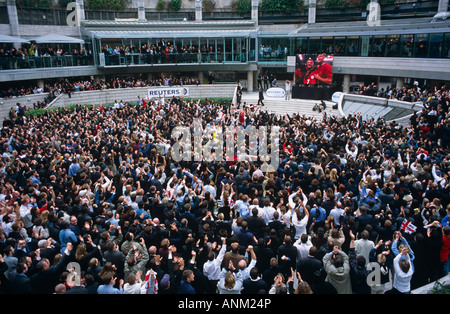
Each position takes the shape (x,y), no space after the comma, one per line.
(141,10)
(346,84)
(250,81)
(255,10)
(443,6)
(13,19)
(399,82)
(198,10)
(80,7)
(40,83)
(311,11)
(201,77)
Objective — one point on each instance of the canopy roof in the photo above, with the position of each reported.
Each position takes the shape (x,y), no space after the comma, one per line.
(56,39)
(11,39)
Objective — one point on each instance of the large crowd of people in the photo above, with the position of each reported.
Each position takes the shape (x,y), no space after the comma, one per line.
(76,85)
(98,187)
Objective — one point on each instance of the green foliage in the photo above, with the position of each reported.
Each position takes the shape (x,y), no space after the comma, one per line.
(63,3)
(336,4)
(217,100)
(209,5)
(34,4)
(107,4)
(160,5)
(71,108)
(243,6)
(440,288)
(175,4)
(364,4)
(280,6)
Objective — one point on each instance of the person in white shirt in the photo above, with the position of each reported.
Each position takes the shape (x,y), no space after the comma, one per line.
(299,220)
(267,211)
(242,265)
(303,244)
(133,284)
(403,272)
(294,201)
(351,151)
(363,246)
(212,267)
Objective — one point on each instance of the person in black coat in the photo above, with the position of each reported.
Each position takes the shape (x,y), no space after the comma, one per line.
(364,219)
(91,284)
(310,268)
(256,224)
(254,284)
(269,274)
(260,97)
(20,282)
(287,256)
(115,257)
(47,276)
(276,224)
(263,255)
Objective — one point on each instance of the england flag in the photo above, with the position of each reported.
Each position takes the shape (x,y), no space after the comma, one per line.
(408,227)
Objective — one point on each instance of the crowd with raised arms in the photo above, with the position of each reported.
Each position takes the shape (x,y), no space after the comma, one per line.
(99,187)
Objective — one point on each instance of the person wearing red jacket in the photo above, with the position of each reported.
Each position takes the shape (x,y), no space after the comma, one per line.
(445,251)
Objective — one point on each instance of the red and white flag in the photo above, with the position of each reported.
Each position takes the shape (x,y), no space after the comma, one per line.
(408,227)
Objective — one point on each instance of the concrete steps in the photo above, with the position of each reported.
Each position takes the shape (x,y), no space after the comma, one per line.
(292,106)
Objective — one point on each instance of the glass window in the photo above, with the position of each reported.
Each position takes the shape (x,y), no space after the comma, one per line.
(379,46)
(339,46)
(436,44)
(446,52)
(327,45)
(252,50)
(314,45)
(420,45)
(301,45)
(406,45)
(393,45)
(228,49)
(353,46)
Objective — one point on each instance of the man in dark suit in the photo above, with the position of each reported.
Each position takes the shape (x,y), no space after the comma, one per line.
(270,273)
(189,216)
(244,235)
(310,267)
(48,276)
(254,284)
(263,255)
(20,282)
(287,255)
(276,224)
(255,223)
(77,289)
(364,219)
(260,97)
(115,257)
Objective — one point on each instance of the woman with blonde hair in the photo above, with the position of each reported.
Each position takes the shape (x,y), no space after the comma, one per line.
(334,177)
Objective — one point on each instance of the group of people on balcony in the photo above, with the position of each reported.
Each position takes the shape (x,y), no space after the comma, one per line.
(37,56)
(166,52)
(267,52)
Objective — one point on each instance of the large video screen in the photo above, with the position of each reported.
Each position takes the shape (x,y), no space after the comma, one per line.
(313,69)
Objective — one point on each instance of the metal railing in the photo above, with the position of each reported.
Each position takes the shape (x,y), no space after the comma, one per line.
(15,63)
